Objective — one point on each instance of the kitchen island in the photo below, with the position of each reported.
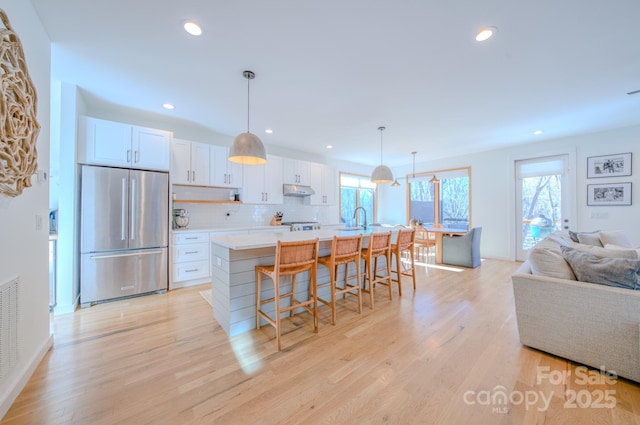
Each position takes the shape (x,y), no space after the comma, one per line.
(233,261)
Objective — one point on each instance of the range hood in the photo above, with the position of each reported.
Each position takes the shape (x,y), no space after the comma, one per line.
(297,190)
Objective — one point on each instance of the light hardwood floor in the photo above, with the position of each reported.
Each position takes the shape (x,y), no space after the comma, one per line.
(439,355)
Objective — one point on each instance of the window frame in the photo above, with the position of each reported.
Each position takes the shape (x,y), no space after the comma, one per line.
(439,174)
(374,216)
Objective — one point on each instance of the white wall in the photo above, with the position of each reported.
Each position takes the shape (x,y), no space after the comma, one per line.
(23,248)
(492,187)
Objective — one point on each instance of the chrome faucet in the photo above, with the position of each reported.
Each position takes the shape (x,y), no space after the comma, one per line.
(355,213)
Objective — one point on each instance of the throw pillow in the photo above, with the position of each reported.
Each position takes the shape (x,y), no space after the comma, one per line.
(549,262)
(619,272)
(574,235)
(589,239)
(616,237)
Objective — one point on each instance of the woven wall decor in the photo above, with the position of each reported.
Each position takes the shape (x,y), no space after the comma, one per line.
(18,106)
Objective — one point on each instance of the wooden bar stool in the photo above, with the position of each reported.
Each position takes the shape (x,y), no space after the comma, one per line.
(291,259)
(404,245)
(379,246)
(344,250)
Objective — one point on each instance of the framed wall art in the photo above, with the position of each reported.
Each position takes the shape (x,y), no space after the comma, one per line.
(609,194)
(615,165)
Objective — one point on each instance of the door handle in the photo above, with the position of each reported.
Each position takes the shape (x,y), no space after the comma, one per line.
(137,155)
(133,210)
(193,176)
(123,222)
(128,155)
(101,257)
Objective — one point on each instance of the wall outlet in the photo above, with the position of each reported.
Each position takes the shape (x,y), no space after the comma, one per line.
(599,215)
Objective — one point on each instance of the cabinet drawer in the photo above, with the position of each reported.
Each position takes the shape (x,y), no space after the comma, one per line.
(190,270)
(190,252)
(182,238)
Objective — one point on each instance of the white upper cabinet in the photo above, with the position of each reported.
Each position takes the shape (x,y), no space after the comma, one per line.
(262,184)
(324,181)
(296,172)
(103,142)
(189,163)
(150,148)
(223,172)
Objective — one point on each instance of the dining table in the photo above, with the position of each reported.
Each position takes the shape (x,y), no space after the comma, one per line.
(439,233)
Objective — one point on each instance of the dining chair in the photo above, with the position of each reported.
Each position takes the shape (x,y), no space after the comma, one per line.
(291,259)
(423,242)
(344,251)
(379,245)
(404,264)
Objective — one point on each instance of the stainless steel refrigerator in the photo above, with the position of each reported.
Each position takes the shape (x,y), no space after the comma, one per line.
(124,232)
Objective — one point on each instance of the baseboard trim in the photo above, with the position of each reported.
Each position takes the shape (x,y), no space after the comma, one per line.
(21,379)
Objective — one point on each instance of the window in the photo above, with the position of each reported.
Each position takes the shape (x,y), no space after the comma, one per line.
(445,201)
(356,191)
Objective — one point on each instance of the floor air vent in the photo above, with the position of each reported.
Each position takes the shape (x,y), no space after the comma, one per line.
(8,326)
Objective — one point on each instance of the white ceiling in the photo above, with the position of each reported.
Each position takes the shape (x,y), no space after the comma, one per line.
(333,71)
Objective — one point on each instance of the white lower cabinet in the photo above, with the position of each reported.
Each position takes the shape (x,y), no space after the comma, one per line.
(190,253)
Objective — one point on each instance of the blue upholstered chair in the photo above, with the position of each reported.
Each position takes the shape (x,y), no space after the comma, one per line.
(462,250)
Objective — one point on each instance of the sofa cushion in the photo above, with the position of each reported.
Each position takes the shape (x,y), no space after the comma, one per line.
(574,235)
(630,254)
(549,262)
(587,267)
(615,237)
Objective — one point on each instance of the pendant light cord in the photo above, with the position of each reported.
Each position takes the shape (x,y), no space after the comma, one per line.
(381,130)
(414,163)
(248,97)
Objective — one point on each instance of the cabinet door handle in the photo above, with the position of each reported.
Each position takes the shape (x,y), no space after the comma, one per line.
(191,270)
(193,179)
(191,252)
(128,155)
(194,237)
(137,156)
(188,175)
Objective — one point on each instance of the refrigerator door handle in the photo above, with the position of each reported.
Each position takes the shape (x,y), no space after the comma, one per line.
(101,256)
(123,222)
(134,212)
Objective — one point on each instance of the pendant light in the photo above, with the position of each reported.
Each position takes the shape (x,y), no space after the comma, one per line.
(395,183)
(247,147)
(382,173)
(434,180)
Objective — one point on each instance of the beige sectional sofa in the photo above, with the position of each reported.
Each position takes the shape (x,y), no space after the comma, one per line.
(594,324)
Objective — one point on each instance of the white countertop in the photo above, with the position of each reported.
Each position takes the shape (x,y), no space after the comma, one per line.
(222,229)
(267,239)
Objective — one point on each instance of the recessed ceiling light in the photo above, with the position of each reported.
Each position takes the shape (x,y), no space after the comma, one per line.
(268,131)
(329,146)
(538,132)
(486,33)
(168,106)
(192,28)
